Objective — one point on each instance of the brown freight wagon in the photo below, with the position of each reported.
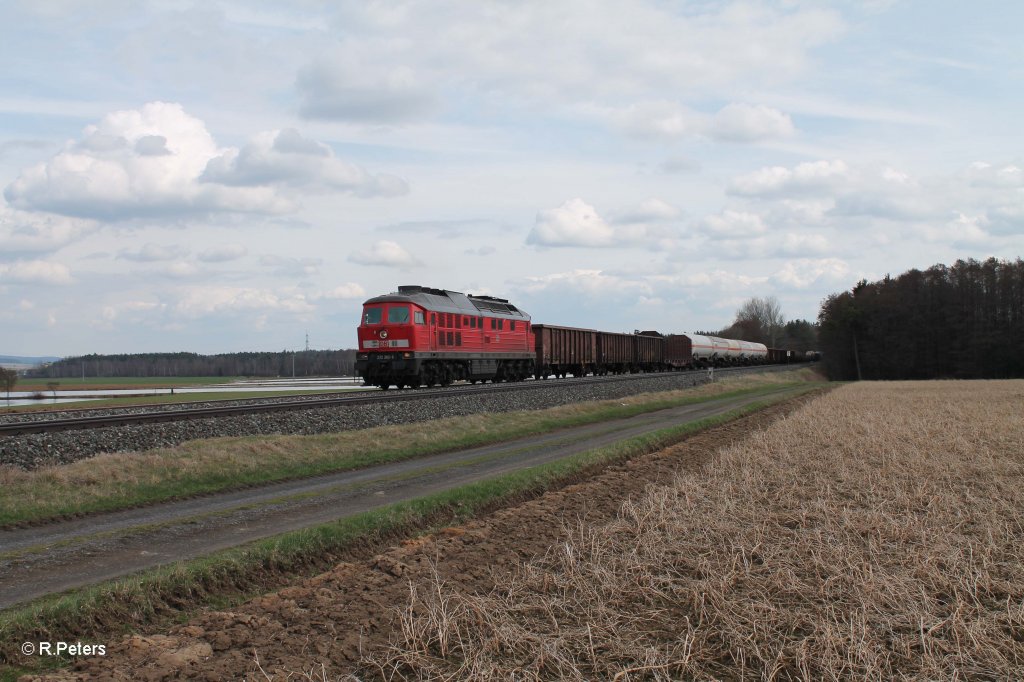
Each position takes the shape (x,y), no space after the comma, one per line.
(564,350)
(678,351)
(614,352)
(648,352)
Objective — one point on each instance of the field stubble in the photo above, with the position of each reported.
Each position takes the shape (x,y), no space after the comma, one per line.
(875,533)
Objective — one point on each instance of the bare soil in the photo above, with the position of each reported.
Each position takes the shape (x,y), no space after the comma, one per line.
(324,624)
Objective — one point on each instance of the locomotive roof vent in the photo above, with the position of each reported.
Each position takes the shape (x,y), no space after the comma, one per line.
(489,298)
(417,289)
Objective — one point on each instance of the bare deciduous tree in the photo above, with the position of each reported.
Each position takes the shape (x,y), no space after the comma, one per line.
(764,315)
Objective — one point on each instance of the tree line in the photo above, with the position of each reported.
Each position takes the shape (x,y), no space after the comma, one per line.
(760,320)
(282,364)
(959,321)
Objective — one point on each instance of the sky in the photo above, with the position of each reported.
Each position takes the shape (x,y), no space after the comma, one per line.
(231,176)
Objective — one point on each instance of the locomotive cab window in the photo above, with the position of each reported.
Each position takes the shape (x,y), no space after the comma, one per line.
(373,315)
(433,318)
(418,316)
(501,324)
(398,315)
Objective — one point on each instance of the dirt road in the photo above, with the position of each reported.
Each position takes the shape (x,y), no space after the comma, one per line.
(51,558)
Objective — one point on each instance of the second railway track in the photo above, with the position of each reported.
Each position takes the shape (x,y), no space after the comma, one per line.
(82,419)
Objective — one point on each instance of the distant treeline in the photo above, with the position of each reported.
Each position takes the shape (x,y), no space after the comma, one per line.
(963,321)
(306,363)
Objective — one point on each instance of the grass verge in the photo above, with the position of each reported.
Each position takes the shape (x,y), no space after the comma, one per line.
(235,575)
(121,480)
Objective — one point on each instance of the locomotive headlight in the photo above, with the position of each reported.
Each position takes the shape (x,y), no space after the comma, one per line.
(406,355)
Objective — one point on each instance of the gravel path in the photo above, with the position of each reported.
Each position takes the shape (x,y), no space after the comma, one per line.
(32,451)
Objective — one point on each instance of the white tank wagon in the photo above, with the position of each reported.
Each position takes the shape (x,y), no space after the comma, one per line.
(699,350)
(753,353)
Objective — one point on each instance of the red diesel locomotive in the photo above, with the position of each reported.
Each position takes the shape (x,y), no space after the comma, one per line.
(421,337)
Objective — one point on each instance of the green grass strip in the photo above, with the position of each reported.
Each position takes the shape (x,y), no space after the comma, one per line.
(235,575)
(238,462)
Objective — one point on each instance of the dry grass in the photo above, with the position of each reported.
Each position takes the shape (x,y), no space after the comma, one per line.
(876,533)
(110,481)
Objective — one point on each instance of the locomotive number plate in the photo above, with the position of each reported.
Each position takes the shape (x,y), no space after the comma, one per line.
(393,343)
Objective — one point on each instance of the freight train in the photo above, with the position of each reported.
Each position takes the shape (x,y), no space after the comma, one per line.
(419,336)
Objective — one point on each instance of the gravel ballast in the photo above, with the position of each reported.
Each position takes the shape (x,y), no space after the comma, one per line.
(33,451)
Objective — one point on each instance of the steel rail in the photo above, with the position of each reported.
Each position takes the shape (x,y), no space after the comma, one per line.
(17,428)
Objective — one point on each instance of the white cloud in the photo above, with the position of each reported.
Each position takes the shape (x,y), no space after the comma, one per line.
(23,232)
(347,291)
(284,157)
(962,230)
(774,245)
(397,63)
(386,253)
(158,161)
(574,223)
(209,301)
(352,84)
(112,312)
(651,210)
(293,267)
(34,272)
(659,119)
(578,224)
(707,282)
(739,122)
(223,253)
(813,177)
(152,253)
(180,270)
(806,272)
(983,174)
(874,191)
(589,282)
(733,225)
(736,122)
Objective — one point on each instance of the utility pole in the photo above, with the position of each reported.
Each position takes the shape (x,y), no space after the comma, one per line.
(306,355)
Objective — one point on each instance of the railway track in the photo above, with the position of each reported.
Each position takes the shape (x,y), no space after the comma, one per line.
(82,419)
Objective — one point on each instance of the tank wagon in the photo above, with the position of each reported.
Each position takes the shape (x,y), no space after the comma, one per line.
(419,336)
